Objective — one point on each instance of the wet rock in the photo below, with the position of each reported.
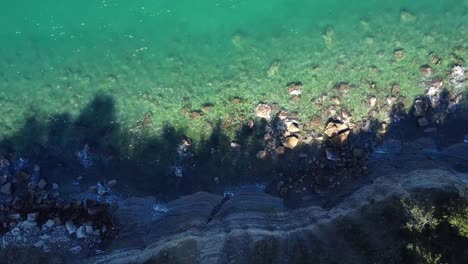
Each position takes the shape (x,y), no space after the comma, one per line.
(16,231)
(263,111)
(420,107)
(399,54)
(6,188)
(290,142)
(423,122)
(332,154)
(295,88)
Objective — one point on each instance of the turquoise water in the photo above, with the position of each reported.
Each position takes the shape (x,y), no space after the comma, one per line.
(171,57)
(56,55)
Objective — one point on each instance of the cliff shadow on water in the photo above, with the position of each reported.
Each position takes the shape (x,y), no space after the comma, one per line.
(77,152)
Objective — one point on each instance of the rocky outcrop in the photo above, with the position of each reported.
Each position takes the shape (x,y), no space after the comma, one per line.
(254,227)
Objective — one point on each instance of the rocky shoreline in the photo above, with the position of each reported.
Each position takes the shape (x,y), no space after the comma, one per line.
(322,167)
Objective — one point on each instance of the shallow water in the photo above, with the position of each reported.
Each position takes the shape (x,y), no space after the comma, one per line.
(171,58)
(57,55)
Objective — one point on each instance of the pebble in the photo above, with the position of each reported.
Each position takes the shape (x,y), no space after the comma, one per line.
(88,229)
(290,142)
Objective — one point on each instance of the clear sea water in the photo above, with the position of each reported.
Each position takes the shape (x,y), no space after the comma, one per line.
(172,57)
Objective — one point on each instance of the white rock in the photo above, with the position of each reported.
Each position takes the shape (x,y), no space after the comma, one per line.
(71,228)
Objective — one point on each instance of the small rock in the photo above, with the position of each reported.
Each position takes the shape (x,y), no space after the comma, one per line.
(44,237)
(399,54)
(274,68)
(420,107)
(50,223)
(406,16)
(263,111)
(430,130)
(334,128)
(71,228)
(81,232)
(6,188)
(292,127)
(15,216)
(89,229)
(111,183)
(235,145)
(342,87)
(423,122)
(290,142)
(32,217)
(55,186)
(16,231)
(280,150)
(395,89)
(373,101)
(41,184)
(295,88)
(466,139)
(39,244)
(29,224)
(75,250)
(262,154)
(358,153)
(332,154)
